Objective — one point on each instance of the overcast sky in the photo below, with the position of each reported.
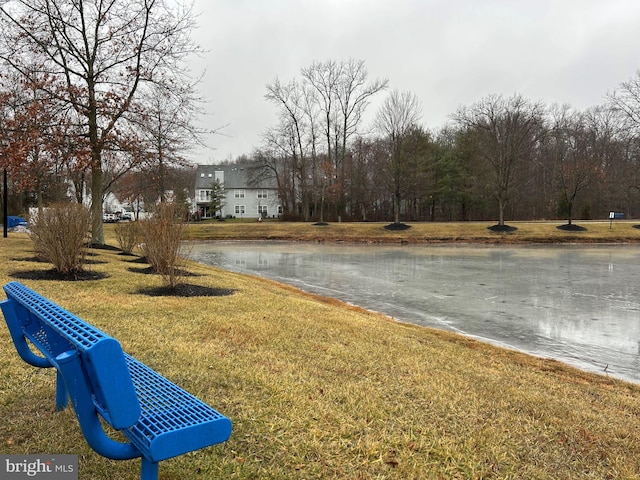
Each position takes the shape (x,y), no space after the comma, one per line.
(448,53)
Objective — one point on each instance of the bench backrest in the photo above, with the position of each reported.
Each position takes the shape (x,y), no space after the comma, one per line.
(55,331)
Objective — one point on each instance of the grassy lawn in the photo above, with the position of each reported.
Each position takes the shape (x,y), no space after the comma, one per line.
(545,232)
(319,389)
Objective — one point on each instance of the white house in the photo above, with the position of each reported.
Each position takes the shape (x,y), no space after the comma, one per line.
(244,197)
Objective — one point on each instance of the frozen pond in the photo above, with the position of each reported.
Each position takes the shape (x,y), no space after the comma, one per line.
(578,304)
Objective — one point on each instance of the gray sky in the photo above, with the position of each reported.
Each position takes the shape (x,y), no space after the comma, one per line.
(448,53)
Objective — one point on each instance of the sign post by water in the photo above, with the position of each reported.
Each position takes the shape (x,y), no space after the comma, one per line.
(614,216)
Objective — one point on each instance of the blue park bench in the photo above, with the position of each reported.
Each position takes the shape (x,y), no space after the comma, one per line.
(159,419)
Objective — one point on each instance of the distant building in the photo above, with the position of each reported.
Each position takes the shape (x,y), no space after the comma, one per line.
(111,204)
(244,197)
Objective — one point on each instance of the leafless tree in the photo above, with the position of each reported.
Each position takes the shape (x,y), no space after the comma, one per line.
(323,78)
(343,94)
(97,54)
(626,101)
(506,132)
(165,118)
(399,114)
(567,145)
(272,162)
(613,167)
(354,94)
(295,133)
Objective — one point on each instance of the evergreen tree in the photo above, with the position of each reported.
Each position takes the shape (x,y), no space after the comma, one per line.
(217,202)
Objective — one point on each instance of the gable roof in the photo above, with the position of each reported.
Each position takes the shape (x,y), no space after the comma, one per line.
(235,176)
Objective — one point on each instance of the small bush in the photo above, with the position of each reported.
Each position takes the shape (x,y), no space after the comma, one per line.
(162,236)
(127,235)
(60,234)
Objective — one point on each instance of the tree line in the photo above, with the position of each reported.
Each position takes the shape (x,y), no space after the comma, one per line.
(91,92)
(95,97)
(498,159)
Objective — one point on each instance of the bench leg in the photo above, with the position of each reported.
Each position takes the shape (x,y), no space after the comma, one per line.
(148,470)
(61,392)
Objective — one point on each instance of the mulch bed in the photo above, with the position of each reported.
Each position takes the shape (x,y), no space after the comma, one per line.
(111,248)
(151,271)
(397,226)
(571,228)
(53,274)
(185,290)
(180,290)
(502,228)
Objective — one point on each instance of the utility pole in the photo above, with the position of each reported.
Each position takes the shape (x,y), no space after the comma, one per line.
(5,193)
(5,215)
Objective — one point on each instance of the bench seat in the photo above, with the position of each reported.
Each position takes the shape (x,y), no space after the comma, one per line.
(172,421)
(159,419)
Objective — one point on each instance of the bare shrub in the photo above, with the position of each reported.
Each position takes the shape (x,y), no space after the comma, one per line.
(162,236)
(61,233)
(127,235)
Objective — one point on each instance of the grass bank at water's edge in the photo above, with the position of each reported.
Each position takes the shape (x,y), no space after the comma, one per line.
(318,389)
(369,232)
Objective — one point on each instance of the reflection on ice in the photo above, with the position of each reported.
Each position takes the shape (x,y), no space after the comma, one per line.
(578,304)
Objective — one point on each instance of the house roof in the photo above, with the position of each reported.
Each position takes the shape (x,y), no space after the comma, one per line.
(235,176)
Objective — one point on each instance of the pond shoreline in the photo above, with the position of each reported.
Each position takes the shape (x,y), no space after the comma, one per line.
(522,233)
(572,303)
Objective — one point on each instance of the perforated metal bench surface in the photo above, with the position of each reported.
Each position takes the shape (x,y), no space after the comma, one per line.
(172,421)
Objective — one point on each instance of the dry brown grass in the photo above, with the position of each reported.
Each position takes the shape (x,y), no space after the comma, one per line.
(527,232)
(317,389)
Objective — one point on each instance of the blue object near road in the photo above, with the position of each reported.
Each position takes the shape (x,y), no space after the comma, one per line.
(13,221)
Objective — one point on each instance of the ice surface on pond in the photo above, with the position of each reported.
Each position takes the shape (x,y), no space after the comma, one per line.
(578,304)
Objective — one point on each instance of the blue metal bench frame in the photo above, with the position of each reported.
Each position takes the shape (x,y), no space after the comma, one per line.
(159,419)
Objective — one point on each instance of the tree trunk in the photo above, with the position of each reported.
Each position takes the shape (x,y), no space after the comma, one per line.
(97,232)
(396,208)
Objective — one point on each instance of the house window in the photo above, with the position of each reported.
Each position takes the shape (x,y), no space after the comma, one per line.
(262,211)
(204,195)
(280,210)
(262,194)
(238,194)
(210,175)
(239,209)
(202,175)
